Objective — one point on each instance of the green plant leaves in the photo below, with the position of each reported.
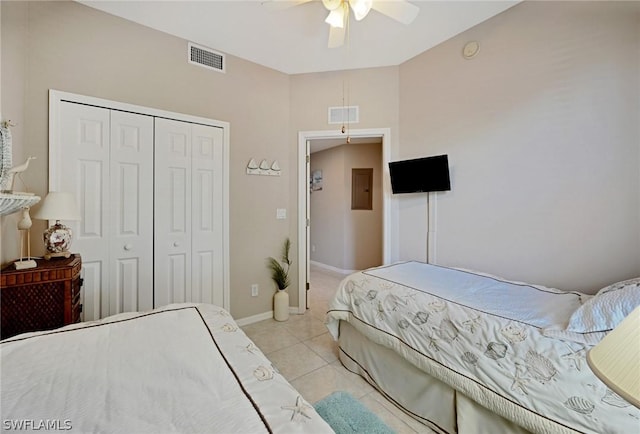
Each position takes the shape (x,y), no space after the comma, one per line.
(279,273)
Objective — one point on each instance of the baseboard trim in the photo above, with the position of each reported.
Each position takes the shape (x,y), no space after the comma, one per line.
(332,268)
(254,318)
(262,316)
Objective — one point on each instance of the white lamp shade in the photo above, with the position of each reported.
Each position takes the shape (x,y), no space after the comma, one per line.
(58,206)
(616,358)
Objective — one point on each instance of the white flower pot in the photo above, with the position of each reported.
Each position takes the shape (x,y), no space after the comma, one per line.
(281,306)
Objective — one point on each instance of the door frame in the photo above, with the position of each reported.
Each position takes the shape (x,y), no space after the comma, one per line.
(303,188)
(56,97)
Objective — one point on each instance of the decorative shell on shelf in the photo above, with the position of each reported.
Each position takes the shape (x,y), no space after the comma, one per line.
(275,169)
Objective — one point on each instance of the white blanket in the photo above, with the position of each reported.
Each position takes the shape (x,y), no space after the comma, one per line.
(482,336)
(531,304)
(183,368)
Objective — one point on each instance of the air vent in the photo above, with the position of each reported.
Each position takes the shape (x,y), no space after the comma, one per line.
(206,57)
(343,115)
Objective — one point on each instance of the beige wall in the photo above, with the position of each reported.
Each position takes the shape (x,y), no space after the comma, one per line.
(363,228)
(541,129)
(542,134)
(375,90)
(12,66)
(328,208)
(74,48)
(344,238)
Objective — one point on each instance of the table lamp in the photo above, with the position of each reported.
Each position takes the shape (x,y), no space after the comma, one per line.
(616,358)
(57,238)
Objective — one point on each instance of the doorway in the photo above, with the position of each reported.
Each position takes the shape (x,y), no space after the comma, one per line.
(305,138)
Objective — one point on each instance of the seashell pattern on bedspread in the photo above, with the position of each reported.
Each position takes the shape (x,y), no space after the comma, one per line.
(489,348)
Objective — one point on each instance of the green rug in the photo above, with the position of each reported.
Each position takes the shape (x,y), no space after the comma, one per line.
(346,415)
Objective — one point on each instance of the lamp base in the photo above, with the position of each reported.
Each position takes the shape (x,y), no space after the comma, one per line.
(25,264)
(65,254)
(57,239)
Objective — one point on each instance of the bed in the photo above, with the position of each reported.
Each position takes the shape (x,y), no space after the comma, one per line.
(468,352)
(181,368)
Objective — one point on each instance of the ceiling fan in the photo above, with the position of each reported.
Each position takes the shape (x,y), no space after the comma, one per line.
(399,10)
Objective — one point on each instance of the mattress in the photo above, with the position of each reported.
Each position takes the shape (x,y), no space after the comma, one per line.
(182,368)
(482,336)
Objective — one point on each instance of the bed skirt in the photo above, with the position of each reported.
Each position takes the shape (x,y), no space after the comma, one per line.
(423,397)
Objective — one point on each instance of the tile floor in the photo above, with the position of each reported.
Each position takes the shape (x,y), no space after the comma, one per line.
(304,352)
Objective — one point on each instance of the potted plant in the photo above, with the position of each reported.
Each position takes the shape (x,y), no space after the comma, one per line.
(280,275)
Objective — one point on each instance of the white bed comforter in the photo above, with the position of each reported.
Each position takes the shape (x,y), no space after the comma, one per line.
(183,368)
(481,335)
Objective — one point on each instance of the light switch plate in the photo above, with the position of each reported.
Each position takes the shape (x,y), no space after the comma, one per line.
(281,213)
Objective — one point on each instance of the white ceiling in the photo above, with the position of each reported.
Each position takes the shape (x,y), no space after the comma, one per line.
(294,40)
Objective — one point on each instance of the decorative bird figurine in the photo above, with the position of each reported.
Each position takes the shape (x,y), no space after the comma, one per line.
(17,170)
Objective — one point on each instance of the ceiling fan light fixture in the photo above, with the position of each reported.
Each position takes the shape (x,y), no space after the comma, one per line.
(360,8)
(336,18)
(331,5)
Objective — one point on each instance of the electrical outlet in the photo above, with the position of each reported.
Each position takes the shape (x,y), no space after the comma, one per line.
(254,290)
(313,247)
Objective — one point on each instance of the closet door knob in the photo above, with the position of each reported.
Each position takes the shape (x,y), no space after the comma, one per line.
(176,244)
(128,246)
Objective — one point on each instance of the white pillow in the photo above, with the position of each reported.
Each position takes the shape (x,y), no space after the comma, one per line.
(607,308)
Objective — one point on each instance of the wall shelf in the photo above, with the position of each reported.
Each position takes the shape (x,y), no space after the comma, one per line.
(12,202)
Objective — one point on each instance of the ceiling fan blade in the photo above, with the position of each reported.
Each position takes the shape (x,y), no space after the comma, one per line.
(280,5)
(399,10)
(336,36)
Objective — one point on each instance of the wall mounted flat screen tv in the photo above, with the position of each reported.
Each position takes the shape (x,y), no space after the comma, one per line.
(420,175)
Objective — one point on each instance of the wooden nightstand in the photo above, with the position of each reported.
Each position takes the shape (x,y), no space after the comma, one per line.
(41,298)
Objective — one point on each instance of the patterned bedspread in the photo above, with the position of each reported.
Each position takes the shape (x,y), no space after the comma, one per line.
(481,335)
(182,368)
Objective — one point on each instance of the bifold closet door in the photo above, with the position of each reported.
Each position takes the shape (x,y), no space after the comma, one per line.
(207,268)
(188,250)
(107,162)
(84,164)
(131,210)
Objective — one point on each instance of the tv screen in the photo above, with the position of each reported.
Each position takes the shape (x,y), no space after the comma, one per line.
(420,175)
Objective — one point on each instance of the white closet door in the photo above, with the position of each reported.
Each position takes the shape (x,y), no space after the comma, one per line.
(153,196)
(84,171)
(172,247)
(131,213)
(207,215)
